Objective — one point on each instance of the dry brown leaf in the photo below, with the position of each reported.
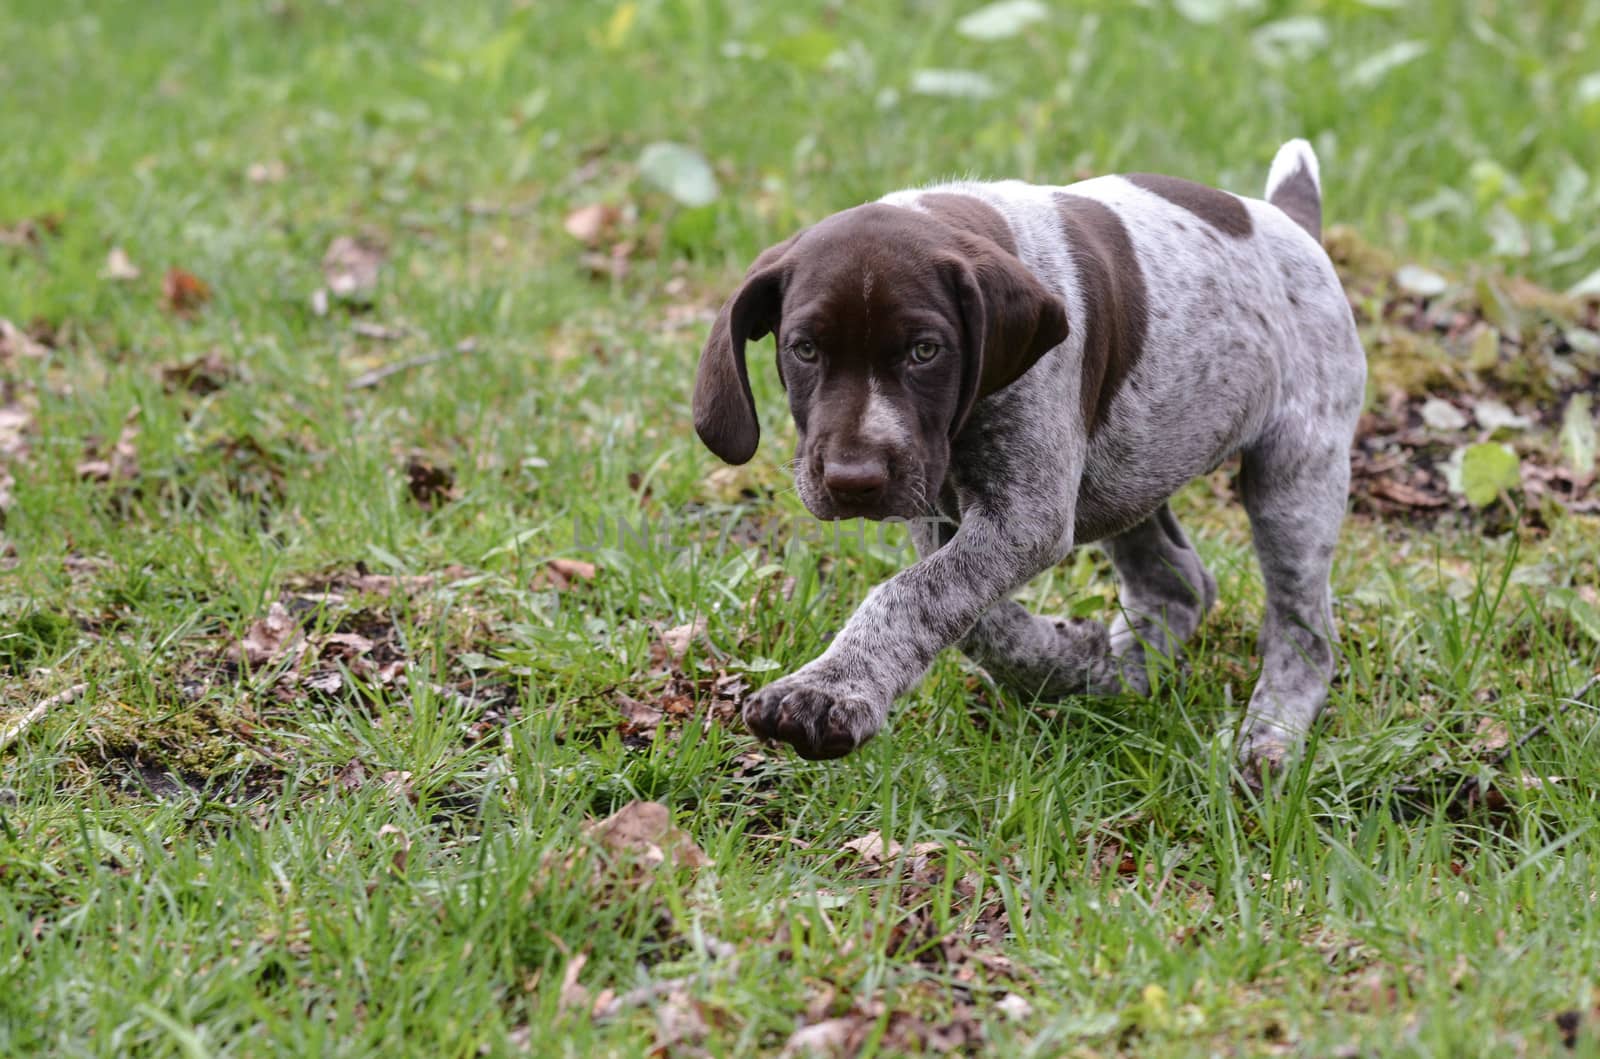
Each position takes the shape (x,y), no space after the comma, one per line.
(398,783)
(345,645)
(182,292)
(591,224)
(272,171)
(352,777)
(678,1022)
(675,641)
(873,849)
(119,266)
(574,997)
(561,573)
(15,424)
(351,266)
(200,376)
(30,231)
(638,715)
(430,485)
(1491,735)
(119,464)
(15,342)
(830,1037)
(272,638)
(643,831)
(402,849)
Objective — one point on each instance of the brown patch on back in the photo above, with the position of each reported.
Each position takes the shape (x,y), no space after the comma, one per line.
(1299,198)
(970,214)
(1222,211)
(1114,302)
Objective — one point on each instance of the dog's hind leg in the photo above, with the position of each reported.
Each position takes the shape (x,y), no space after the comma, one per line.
(1294,484)
(1165,593)
(1033,656)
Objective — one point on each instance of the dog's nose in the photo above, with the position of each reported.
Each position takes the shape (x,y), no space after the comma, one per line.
(855,480)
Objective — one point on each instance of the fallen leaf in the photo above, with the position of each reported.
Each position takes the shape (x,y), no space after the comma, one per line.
(1491,735)
(830,1037)
(1014,1007)
(121,463)
(350,267)
(15,342)
(561,573)
(203,375)
(1419,281)
(272,171)
(428,484)
(31,231)
(351,777)
(398,783)
(574,997)
(678,1022)
(119,266)
(674,644)
(182,292)
(402,849)
(269,639)
(1494,415)
(643,831)
(1442,415)
(592,223)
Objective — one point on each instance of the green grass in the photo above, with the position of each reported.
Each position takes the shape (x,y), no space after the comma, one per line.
(202,853)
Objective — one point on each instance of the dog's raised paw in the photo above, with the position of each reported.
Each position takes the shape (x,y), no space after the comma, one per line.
(819,721)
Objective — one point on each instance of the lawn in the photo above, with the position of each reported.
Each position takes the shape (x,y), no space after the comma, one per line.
(357,556)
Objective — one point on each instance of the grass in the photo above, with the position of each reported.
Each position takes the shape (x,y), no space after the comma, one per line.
(365,827)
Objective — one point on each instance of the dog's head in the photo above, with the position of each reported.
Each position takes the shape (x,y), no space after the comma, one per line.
(890,323)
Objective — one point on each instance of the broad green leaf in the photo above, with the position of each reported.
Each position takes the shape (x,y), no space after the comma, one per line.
(808,50)
(1004,18)
(1487,470)
(1578,444)
(959,84)
(680,171)
(1376,67)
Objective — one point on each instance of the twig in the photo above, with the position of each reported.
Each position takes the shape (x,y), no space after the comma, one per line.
(33,716)
(1469,788)
(368,379)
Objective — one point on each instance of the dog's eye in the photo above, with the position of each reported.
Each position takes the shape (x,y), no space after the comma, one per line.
(923,352)
(803,349)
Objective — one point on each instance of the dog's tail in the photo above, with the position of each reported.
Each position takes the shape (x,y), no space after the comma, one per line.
(1295,186)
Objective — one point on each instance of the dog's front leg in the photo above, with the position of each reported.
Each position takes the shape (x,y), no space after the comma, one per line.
(841,699)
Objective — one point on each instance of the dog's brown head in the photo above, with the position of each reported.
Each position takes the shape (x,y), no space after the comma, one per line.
(890,324)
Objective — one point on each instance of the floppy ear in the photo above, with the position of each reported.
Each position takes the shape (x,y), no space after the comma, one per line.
(724,410)
(1008,318)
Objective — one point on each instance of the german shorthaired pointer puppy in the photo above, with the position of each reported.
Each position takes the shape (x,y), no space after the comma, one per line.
(1043,367)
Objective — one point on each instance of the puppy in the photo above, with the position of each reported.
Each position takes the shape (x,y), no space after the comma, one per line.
(1042,367)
